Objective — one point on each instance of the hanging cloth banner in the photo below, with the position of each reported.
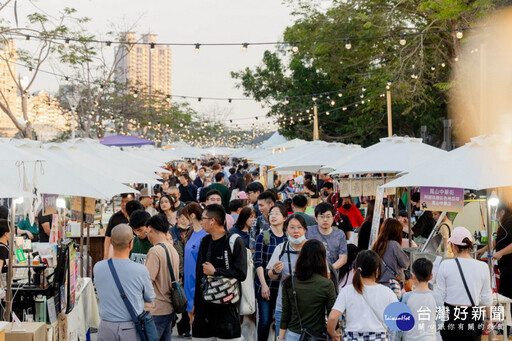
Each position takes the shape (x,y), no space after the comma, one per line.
(379,197)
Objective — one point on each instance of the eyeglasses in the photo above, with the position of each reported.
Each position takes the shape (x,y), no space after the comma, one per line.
(325,217)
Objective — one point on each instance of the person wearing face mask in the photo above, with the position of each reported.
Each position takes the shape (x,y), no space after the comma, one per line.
(351,211)
(285,255)
(141,243)
(326,191)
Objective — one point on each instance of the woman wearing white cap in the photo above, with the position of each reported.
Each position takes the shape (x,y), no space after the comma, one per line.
(465,286)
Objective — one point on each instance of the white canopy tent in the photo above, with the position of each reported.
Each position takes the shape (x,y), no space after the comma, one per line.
(391,155)
(312,156)
(480,164)
(274,140)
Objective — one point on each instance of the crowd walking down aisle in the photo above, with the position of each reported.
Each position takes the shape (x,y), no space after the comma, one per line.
(217,257)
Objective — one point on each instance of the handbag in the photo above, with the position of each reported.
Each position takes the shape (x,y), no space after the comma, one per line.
(479,331)
(144,322)
(247,296)
(220,289)
(306,333)
(178,299)
(405,283)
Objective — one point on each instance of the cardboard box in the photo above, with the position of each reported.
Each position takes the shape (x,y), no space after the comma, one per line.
(29,331)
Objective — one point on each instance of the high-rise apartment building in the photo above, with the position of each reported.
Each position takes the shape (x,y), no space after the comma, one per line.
(44,112)
(145,65)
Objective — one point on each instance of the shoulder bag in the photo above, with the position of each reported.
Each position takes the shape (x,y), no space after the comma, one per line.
(220,289)
(306,333)
(178,299)
(248,297)
(479,331)
(405,283)
(144,322)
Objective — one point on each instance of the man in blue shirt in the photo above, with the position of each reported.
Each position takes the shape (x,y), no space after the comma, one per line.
(116,322)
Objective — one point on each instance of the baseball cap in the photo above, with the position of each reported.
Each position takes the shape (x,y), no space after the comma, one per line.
(146,193)
(459,234)
(242,195)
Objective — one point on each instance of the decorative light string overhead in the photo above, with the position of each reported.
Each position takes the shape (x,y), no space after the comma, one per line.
(295,45)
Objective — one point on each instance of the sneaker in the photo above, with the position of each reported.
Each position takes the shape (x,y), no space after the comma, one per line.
(186,335)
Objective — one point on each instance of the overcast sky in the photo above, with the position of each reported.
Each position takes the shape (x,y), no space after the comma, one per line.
(206,74)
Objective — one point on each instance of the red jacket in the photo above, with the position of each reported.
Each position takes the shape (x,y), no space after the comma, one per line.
(356,218)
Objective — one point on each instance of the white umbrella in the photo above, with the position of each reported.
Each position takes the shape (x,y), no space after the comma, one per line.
(12,153)
(391,155)
(480,164)
(311,157)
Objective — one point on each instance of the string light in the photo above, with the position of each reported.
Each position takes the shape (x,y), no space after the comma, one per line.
(402,40)
(108,44)
(27,39)
(340,94)
(152,46)
(199,99)
(286,100)
(244,47)
(459,34)
(333,102)
(198,47)
(66,43)
(295,48)
(348,45)
(229,101)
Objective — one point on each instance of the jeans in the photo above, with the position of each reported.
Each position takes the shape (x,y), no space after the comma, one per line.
(163,325)
(265,310)
(291,336)
(277,318)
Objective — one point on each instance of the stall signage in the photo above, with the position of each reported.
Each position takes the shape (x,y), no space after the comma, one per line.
(89,209)
(444,199)
(49,204)
(20,255)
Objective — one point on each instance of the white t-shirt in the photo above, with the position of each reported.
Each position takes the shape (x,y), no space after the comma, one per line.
(360,317)
(451,288)
(423,306)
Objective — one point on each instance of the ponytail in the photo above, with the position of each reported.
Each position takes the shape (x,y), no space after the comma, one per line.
(367,264)
(357,281)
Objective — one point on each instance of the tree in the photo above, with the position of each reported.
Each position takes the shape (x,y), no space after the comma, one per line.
(48,36)
(335,57)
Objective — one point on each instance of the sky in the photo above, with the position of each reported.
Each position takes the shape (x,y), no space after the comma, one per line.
(206,74)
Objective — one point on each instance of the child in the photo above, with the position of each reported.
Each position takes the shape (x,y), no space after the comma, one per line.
(423,303)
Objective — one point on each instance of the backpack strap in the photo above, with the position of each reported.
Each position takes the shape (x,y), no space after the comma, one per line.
(464,281)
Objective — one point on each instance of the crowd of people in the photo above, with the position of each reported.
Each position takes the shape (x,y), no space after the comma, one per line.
(207,228)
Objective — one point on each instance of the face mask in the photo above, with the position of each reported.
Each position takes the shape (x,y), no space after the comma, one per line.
(325,193)
(296,241)
(347,206)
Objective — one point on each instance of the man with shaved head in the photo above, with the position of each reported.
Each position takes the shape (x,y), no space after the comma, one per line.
(116,322)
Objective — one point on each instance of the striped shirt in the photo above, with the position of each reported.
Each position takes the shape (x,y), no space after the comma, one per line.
(262,256)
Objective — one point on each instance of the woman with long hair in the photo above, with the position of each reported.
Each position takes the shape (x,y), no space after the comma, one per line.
(308,294)
(191,215)
(364,301)
(285,255)
(389,248)
(243,224)
(464,284)
(363,236)
(166,207)
(265,287)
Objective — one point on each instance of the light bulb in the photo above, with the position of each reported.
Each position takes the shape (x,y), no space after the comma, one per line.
(66,43)
(333,102)
(198,47)
(108,44)
(402,40)
(27,39)
(459,34)
(493,199)
(340,94)
(286,100)
(348,45)
(327,113)
(244,47)
(344,108)
(295,48)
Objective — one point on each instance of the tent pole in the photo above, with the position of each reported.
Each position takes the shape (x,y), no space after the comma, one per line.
(409,214)
(8,297)
(82,239)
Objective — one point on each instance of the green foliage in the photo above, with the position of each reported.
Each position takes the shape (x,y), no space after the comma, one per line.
(419,70)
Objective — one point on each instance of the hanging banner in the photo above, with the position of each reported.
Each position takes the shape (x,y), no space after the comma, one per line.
(49,204)
(444,199)
(379,197)
(344,188)
(356,187)
(368,187)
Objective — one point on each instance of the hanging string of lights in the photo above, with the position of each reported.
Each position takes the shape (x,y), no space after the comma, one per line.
(295,45)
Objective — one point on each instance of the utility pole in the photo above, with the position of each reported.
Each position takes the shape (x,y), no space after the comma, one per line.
(390,117)
(315,123)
